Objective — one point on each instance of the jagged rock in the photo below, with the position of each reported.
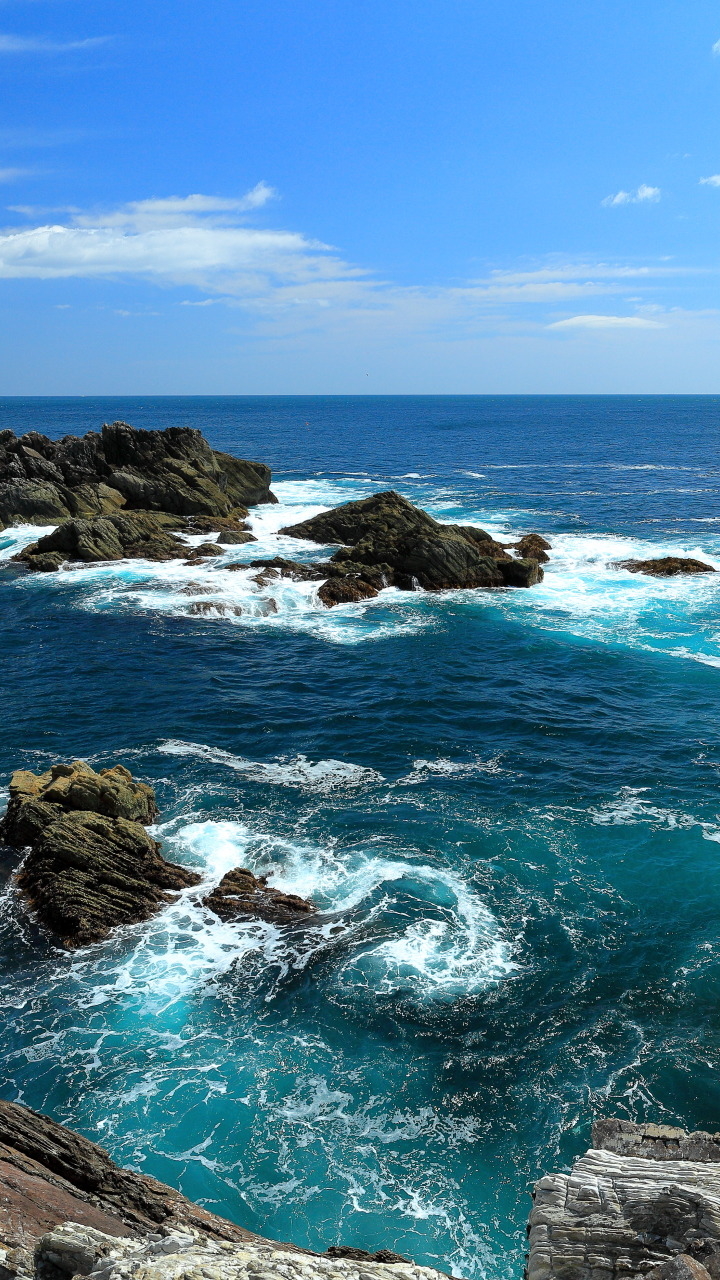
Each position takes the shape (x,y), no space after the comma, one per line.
(534,547)
(279,567)
(43,481)
(665,566)
(49,1175)
(683,1267)
(92,865)
(241,894)
(644,1196)
(387,531)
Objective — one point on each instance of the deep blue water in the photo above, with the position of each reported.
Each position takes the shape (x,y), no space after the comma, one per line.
(509,799)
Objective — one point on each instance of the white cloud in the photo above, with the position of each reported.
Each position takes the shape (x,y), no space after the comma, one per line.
(606,322)
(712,181)
(30,44)
(643,194)
(716,48)
(12,175)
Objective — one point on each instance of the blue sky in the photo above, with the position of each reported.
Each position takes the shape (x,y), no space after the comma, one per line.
(322,196)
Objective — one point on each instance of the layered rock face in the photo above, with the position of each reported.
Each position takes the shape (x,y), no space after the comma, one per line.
(666,566)
(92,865)
(645,1197)
(240,894)
(45,481)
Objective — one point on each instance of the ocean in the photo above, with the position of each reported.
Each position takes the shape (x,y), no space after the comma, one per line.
(506,804)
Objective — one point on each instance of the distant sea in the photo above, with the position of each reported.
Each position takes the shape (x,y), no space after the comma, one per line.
(509,800)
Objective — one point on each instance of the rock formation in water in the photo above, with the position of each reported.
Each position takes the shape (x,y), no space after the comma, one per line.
(241,894)
(665,566)
(645,1197)
(92,865)
(66,1209)
(386,541)
(45,481)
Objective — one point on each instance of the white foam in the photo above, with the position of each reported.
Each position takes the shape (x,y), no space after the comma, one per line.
(321,775)
(13,540)
(446,768)
(630,807)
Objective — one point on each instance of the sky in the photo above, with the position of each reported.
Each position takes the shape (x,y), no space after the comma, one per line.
(376,197)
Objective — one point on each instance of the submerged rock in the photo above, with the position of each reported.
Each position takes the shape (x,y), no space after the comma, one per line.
(241,894)
(92,866)
(408,548)
(665,566)
(43,481)
(644,1202)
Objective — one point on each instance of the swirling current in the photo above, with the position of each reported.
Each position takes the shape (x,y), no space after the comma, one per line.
(506,804)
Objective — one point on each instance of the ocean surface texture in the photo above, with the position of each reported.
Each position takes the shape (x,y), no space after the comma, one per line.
(507,804)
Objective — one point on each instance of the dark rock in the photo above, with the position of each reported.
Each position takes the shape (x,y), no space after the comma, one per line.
(235,538)
(241,894)
(665,566)
(387,530)
(43,481)
(92,866)
(205,549)
(520,573)
(235,522)
(88,874)
(278,567)
(50,1175)
(37,562)
(654,1141)
(362,1255)
(346,590)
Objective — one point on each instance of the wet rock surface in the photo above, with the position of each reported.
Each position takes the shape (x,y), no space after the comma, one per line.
(241,894)
(92,865)
(645,1197)
(44,481)
(665,566)
(405,547)
(113,537)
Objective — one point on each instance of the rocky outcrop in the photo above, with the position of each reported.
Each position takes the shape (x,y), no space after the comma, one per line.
(645,1197)
(665,566)
(92,865)
(113,537)
(241,894)
(403,546)
(45,481)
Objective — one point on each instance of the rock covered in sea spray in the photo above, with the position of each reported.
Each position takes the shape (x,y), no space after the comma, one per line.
(241,894)
(665,566)
(92,865)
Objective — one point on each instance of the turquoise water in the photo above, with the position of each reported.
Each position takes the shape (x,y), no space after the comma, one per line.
(505,803)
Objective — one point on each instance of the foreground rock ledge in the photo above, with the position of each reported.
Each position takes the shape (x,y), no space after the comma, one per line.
(645,1197)
(92,865)
(67,1209)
